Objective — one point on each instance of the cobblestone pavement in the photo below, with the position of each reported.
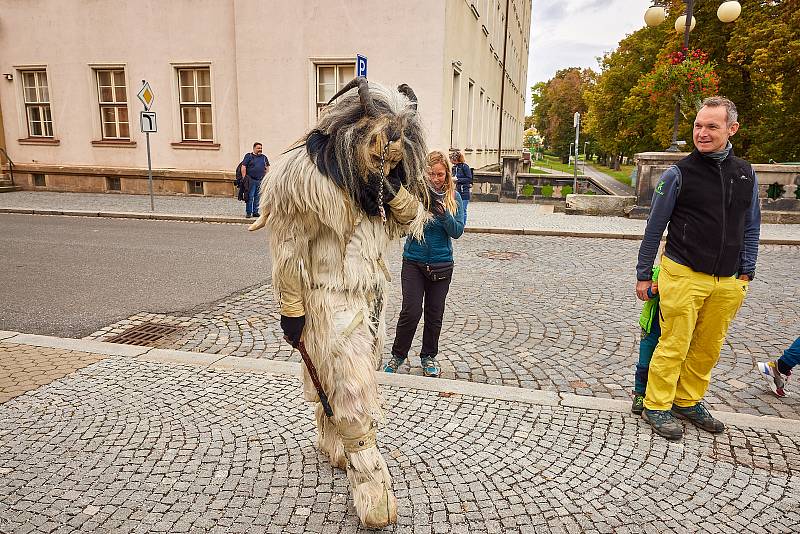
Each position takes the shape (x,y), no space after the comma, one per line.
(132,446)
(481,214)
(24,368)
(556,314)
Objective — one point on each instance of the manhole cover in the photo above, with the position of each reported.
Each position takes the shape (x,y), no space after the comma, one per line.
(144,334)
(504,255)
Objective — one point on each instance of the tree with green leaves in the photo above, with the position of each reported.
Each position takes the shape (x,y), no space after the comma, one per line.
(555,103)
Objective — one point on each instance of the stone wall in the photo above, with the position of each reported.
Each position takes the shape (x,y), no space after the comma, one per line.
(85,179)
(650,165)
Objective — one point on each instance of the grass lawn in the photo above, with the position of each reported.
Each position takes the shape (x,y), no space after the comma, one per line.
(622,175)
(552,162)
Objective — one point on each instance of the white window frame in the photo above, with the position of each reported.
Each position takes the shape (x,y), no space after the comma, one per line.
(470,113)
(115,104)
(338,82)
(196,104)
(41,103)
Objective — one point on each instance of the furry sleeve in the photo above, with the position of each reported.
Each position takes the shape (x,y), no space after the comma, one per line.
(292,201)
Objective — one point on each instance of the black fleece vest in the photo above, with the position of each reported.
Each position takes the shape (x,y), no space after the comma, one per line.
(706,229)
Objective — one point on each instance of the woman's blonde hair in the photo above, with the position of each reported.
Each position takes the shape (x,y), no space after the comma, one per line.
(449,185)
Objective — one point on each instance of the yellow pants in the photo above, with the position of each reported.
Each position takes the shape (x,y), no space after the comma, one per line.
(695,311)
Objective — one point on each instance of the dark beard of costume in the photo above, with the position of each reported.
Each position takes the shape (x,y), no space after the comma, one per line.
(367,196)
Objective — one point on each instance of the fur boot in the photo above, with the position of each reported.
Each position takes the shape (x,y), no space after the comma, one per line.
(368,475)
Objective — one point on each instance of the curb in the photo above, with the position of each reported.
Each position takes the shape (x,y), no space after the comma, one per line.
(444,386)
(244,220)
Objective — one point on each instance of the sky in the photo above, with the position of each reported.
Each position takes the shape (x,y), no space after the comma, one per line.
(574,33)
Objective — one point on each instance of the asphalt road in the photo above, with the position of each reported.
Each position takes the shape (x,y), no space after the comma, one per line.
(70,276)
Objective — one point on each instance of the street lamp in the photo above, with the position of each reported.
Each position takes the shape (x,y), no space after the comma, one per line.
(656,14)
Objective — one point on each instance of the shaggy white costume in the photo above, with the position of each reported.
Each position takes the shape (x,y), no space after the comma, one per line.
(329,265)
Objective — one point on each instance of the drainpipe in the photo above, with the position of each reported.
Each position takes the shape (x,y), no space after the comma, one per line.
(502,90)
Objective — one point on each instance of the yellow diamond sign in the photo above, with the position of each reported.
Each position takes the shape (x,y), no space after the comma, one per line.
(146,95)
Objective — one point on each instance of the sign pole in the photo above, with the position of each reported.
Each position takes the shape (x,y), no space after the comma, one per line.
(576,119)
(149,172)
(147,123)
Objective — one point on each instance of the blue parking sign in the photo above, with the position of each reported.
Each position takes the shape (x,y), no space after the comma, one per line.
(361,65)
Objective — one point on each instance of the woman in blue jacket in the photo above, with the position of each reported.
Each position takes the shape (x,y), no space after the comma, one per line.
(427,269)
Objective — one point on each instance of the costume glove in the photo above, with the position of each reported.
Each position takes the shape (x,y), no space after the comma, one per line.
(395,180)
(292,329)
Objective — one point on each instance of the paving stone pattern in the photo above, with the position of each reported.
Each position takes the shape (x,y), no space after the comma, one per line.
(25,368)
(561,315)
(127,446)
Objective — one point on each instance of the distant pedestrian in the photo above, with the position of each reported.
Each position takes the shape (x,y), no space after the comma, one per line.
(427,270)
(777,372)
(253,168)
(462,174)
(710,201)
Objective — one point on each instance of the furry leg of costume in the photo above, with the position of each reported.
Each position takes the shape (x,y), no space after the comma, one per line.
(328,440)
(345,360)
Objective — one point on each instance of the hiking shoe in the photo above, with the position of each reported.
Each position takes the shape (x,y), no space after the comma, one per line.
(638,403)
(700,417)
(775,379)
(429,366)
(663,423)
(393,364)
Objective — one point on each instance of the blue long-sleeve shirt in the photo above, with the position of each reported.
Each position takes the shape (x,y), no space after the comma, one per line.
(664,198)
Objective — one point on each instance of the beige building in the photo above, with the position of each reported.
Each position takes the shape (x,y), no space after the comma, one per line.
(226,73)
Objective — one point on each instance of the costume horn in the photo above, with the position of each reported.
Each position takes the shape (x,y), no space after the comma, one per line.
(409,92)
(363,94)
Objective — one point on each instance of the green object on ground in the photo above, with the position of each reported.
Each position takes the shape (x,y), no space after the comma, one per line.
(527,190)
(547,190)
(566,190)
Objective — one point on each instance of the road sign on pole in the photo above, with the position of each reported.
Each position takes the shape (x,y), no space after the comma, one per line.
(147,119)
(361,65)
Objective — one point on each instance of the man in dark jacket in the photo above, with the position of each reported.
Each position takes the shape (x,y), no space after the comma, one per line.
(710,200)
(253,168)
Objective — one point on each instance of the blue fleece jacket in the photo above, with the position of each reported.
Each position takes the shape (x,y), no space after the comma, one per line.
(436,246)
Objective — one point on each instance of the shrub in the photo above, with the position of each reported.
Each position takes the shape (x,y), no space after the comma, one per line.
(527,190)
(547,190)
(566,190)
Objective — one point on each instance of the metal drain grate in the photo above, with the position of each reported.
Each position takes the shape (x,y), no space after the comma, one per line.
(504,255)
(144,334)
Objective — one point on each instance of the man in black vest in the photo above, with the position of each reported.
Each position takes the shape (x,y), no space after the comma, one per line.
(710,200)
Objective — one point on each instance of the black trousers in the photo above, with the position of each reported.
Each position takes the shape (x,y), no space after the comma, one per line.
(416,289)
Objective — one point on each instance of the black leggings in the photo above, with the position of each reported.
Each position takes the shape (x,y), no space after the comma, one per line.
(416,286)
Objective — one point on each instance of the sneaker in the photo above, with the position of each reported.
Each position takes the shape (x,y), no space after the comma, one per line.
(700,417)
(775,379)
(393,364)
(638,403)
(248,215)
(429,366)
(663,423)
